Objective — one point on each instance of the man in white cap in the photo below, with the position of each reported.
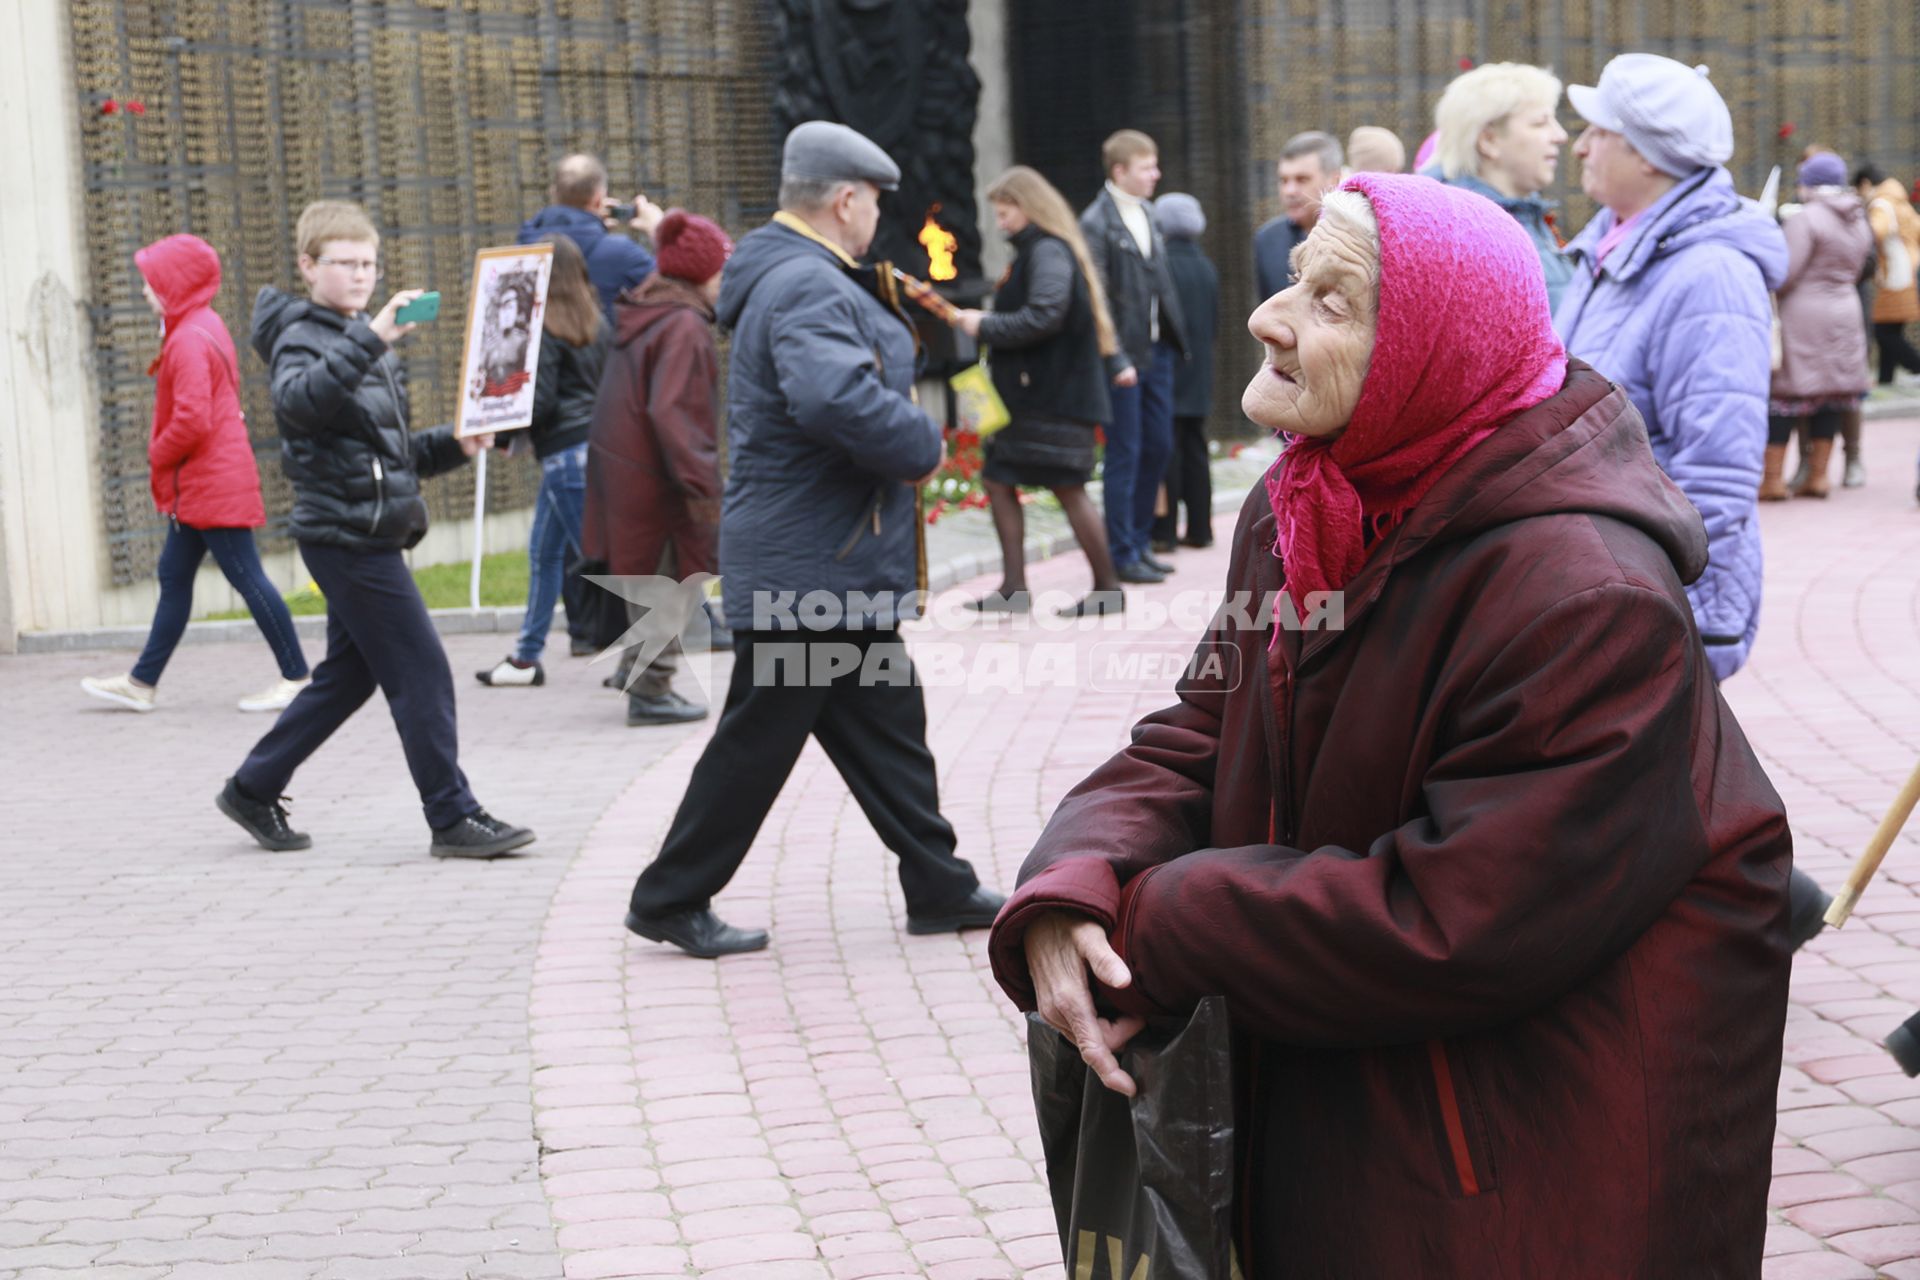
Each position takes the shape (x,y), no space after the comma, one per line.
(819,557)
(1669,299)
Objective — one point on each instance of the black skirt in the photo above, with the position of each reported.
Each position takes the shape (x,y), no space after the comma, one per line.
(1040,453)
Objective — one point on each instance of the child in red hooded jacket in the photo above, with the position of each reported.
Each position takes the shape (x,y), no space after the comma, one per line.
(203,477)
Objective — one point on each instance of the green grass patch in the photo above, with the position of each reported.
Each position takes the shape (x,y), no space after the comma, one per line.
(503,582)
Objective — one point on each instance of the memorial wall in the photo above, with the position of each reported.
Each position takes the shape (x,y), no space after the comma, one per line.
(225,117)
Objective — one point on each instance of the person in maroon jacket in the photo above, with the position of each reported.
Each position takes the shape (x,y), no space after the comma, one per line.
(203,477)
(1456,821)
(653,460)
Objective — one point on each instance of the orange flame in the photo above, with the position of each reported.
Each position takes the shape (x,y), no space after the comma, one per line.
(940,245)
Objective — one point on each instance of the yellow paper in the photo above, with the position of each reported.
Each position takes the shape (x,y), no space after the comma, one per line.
(977,403)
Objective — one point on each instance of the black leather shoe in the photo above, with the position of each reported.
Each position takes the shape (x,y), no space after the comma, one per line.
(698,932)
(1159,545)
(581,647)
(1136,571)
(1904,1045)
(975,911)
(478,835)
(1156,564)
(662,708)
(1198,544)
(266,823)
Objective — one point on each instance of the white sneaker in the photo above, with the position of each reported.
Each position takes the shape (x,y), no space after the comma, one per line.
(275,696)
(121,691)
(510,675)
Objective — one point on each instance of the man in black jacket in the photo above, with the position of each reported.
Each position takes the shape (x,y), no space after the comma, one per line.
(1131,257)
(355,467)
(1311,164)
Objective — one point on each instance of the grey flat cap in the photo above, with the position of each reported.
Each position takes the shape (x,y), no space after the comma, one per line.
(828,152)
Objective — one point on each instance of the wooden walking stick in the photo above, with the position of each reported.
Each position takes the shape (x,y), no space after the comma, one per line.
(1842,905)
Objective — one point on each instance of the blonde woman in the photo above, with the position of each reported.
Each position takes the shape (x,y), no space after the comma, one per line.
(1054,354)
(1499,136)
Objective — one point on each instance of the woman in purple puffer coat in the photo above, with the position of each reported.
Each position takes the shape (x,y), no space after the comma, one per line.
(1669,299)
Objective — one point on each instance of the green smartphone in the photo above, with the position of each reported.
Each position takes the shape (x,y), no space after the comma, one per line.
(422,309)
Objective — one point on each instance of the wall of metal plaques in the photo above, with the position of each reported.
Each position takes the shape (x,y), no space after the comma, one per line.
(443,117)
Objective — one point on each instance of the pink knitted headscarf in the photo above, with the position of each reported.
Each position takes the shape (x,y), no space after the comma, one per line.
(1463,343)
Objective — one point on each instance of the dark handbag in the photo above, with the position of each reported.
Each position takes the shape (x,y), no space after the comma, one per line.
(1142,1187)
(603,614)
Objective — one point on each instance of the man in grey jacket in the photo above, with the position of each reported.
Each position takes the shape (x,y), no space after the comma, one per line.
(820,557)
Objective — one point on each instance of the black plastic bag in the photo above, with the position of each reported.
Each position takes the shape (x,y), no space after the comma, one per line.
(1142,1187)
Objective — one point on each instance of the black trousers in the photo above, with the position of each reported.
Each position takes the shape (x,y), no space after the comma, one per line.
(873,730)
(1189,483)
(378,636)
(1895,351)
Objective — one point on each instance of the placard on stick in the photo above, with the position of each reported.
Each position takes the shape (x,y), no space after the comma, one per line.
(506,314)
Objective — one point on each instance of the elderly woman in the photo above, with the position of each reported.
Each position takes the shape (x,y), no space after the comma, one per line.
(1500,137)
(1487,872)
(1669,299)
(1823,350)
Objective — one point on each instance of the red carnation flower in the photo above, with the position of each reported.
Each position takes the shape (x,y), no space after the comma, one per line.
(108,107)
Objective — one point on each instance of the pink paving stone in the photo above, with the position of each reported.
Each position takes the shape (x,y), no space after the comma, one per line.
(1816,1266)
(731,1195)
(594,1181)
(717,1224)
(693,1173)
(756,1248)
(858,1244)
(952,1248)
(942,1229)
(876,1266)
(1784,1237)
(1851,1144)
(972,1269)
(1881,1171)
(770,1271)
(1879,1244)
(1827,1218)
(618,1205)
(1798,1160)
(617,1233)
(1802,1188)
(603,1264)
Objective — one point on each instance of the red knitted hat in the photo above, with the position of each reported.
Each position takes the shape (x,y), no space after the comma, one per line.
(690,247)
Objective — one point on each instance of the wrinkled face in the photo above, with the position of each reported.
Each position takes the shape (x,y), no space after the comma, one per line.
(1303,180)
(1612,172)
(344,275)
(1138,176)
(859,209)
(1318,335)
(1524,148)
(1009,218)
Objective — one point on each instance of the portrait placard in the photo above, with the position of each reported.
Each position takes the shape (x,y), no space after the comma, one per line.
(506,311)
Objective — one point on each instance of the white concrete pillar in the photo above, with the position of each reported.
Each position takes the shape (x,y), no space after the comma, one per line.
(51,562)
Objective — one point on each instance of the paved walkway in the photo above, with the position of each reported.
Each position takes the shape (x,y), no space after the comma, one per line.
(356,1062)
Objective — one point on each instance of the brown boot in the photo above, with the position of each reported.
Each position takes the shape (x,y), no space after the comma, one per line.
(1772,487)
(1818,457)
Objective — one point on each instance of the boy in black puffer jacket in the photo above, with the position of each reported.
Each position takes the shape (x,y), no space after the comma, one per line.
(341,407)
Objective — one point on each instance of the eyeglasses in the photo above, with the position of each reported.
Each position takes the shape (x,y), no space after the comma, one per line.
(354,266)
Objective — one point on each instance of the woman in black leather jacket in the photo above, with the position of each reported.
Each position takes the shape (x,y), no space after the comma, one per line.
(1054,354)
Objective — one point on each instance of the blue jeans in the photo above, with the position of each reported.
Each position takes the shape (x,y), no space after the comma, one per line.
(1139,442)
(239,560)
(556,536)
